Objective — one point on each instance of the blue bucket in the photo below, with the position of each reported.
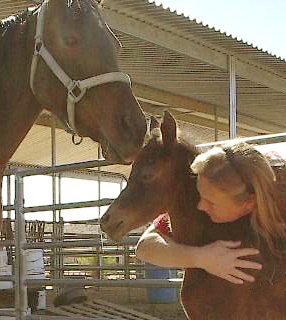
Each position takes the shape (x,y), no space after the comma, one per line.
(160,295)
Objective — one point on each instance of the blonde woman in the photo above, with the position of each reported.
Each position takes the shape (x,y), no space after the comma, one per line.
(233,181)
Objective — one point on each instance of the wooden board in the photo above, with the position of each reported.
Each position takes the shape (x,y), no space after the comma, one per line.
(100,310)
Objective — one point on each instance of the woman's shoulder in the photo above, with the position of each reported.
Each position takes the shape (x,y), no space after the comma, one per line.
(162,224)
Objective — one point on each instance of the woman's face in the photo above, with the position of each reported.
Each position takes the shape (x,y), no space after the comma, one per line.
(219,205)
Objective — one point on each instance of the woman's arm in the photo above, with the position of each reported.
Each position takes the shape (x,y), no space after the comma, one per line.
(220,258)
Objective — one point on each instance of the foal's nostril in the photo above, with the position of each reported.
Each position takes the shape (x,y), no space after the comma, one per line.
(105,218)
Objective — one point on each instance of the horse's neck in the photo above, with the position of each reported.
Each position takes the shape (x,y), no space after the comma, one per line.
(18,107)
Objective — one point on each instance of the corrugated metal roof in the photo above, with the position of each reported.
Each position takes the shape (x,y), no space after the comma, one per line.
(10,7)
(166,68)
(179,64)
(192,30)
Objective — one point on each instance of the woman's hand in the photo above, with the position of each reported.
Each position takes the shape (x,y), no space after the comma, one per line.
(221,258)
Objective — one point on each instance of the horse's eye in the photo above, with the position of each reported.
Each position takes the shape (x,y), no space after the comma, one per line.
(72,41)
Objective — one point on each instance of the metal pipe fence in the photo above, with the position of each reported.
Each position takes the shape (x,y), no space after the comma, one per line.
(20,280)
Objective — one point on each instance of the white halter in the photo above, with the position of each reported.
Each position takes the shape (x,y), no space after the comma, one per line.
(70,84)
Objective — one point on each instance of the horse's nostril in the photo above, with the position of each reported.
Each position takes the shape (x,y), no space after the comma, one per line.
(104,219)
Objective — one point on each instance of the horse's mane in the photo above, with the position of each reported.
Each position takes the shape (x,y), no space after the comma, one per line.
(80,2)
(19,18)
(11,24)
(22,16)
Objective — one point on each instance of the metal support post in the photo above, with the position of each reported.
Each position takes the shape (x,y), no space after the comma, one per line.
(215,124)
(232,99)
(21,296)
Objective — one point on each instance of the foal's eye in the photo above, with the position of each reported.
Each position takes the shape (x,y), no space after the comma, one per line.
(148,174)
(147,177)
(151,161)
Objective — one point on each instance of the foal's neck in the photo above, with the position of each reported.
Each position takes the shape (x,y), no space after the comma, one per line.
(184,215)
(18,107)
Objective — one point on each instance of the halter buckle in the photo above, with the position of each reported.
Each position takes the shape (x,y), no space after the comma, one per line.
(75,91)
(38,46)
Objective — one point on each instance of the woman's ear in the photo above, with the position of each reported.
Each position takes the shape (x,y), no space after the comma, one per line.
(251,203)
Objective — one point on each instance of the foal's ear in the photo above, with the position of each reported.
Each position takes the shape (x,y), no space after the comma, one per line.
(154,123)
(154,128)
(168,129)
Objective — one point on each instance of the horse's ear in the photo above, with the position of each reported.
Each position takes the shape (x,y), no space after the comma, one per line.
(168,129)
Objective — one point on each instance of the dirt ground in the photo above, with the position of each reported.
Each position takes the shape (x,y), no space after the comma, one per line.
(136,298)
(133,298)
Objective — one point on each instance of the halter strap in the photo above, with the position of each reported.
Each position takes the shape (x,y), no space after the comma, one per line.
(76,89)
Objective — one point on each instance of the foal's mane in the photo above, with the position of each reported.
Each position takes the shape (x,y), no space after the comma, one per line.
(192,150)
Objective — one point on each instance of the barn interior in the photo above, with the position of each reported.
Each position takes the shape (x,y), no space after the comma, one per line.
(216,86)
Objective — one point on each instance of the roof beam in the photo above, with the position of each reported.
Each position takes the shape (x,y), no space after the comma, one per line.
(170,99)
(197,120)
(177,101)
(151,33)
(195,49)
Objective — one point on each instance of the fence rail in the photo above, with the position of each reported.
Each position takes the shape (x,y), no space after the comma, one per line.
(66,247)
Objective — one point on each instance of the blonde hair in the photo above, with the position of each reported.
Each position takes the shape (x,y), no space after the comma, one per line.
(240,170)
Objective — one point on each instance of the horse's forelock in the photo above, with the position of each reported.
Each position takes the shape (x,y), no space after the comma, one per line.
(82,6)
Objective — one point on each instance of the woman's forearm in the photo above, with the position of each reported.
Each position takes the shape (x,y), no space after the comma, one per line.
(220,258)
(164,252)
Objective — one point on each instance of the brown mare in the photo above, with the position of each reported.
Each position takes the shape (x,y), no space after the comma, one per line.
(63,57)
(161,181)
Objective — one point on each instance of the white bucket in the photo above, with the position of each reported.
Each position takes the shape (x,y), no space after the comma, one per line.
(3,258)
(35,264)
(42,304)
(5,270)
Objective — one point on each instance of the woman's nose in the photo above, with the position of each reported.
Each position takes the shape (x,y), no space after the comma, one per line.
(202,205)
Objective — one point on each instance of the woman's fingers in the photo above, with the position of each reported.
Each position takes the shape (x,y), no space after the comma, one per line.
(224,259)
(229,244)
(248,264)
(232,279)
(243,276)
(245,252)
